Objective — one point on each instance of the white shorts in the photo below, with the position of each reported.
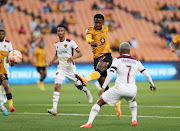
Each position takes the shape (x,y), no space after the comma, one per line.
(114,95)
(62,74)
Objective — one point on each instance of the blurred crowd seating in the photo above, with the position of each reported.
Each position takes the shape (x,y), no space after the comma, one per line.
(150,46)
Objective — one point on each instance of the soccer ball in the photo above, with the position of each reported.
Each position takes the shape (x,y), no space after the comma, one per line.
(15,56)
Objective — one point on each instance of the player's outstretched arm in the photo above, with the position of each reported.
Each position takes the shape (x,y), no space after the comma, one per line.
(171,46)
(149,79)
(79,54)
(54,58)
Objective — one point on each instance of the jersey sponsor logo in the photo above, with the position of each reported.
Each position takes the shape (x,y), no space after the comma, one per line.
(87,30)
(62,52)
(65,45)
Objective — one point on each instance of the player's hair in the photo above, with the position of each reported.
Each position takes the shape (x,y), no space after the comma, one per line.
(99,16)
(1,30)
(62,26)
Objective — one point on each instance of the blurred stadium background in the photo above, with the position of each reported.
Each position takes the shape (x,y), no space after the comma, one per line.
(149,26)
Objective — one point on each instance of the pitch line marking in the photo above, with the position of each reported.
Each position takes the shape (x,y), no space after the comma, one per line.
(81,105)
(64,114)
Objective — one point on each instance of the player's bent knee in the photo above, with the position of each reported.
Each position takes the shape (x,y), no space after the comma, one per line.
(80,87)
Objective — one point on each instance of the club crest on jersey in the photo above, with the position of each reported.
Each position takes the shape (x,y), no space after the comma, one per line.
(87,30)
(57,47)
(4,46)
(65,45)
(57,73)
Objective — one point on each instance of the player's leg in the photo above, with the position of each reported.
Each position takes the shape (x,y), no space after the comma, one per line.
(133,108)
(58,80)
(42,77)
(94,111)
(79,86)
(101,64)
(118,106)
(72,77)
(8,93)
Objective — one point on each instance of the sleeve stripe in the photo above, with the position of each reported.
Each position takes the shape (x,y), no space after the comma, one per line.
(114,67)
(142,70)
(76,48)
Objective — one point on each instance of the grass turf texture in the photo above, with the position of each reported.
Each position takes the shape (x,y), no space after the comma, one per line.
(29,99)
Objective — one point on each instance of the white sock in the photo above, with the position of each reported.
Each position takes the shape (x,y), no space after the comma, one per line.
(85,89)
(94,111)
(55,99)
(98,86)
(133,108)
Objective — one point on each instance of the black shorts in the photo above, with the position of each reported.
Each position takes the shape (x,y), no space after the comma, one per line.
(41,68)
(106,58)
(5,77)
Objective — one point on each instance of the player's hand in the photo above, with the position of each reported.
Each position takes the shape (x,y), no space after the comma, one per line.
(101,91)
(172,50)
(70,60)
(50,63)
(12,63)
(153,88)
(94,44)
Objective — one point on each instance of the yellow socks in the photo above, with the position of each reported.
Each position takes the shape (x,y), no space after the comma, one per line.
(10,103)
(94,76)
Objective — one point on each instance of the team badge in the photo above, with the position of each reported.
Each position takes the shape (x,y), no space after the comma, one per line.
(57,47)
(65,45)
(4,46)
(87,30)
(56,73)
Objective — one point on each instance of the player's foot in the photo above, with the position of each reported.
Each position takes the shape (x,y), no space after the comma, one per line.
(42,86)
(4,110)
(12,109)
(86,125)
(38,84)
(82,79)
(118,109)
(52,111)
(89,96)
(134,123)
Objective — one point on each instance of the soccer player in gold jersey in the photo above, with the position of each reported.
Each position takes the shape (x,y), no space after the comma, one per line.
(5,48)
(175,41)
(97,37)
(40,64)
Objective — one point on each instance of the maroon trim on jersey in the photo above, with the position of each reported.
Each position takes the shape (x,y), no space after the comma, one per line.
(114,67)
(142,70)
(68,40)
(75,48)
(7,41)
(56,41)
(126,56)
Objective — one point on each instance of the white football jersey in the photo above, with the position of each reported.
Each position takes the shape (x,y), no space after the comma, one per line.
(64,51)
(6,46)
(126,67)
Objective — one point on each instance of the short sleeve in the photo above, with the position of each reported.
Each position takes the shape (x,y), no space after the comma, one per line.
(141,68)
(74,45)
(10,47)
(36,51)
(114,64)
(89,31)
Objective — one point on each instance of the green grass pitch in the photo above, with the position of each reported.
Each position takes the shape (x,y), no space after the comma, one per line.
(156,111)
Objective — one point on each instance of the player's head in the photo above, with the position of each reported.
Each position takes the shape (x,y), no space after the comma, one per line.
(61,29)
(41,44)
(2,34)
(124,48)
(98,21)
